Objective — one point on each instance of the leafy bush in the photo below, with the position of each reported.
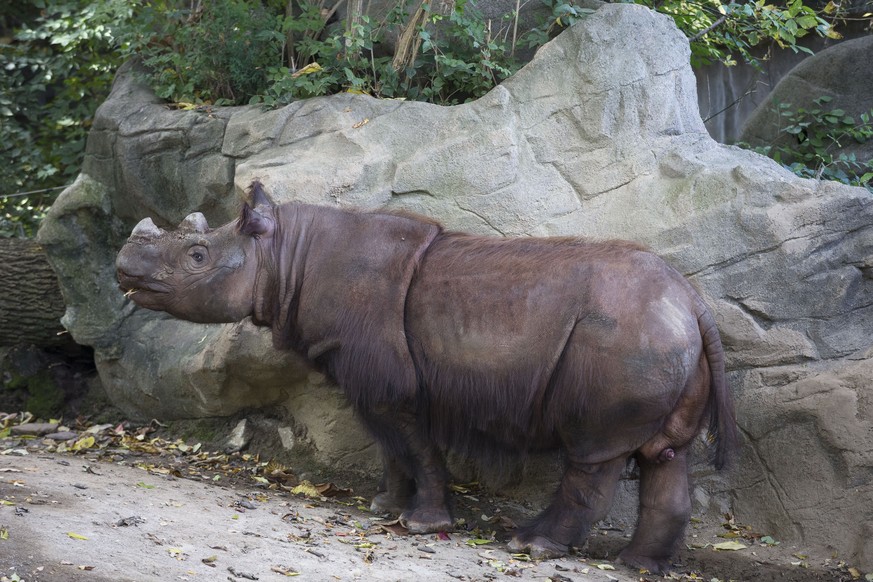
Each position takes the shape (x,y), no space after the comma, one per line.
(719,32)
(57,68)
(59,63)
(810,143)
(235,52)
(217,52)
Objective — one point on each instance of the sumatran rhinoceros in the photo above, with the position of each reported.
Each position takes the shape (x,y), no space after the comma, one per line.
(484,345)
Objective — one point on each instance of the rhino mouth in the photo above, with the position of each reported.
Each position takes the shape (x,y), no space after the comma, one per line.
(131,285)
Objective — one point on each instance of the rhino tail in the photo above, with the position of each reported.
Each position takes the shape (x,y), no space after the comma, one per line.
(722,432)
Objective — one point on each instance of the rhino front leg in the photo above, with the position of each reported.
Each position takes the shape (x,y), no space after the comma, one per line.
(415,479)
(584,497)
(429,510)
(396,489)
(665,507)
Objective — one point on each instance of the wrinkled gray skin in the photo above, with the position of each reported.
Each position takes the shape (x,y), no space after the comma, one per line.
(167,270)
(488,346)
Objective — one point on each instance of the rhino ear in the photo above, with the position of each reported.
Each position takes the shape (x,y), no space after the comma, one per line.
(258,196)
(253,223)
(195,222)
(253,220)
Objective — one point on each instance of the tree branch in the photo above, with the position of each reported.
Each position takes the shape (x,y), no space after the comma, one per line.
(708,29)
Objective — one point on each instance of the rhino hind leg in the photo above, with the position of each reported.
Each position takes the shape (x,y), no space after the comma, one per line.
(665,508)
(583,497)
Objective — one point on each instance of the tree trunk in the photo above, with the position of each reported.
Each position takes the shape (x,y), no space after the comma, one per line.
(31,304)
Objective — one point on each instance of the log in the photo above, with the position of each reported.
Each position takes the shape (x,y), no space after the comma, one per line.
(31,304)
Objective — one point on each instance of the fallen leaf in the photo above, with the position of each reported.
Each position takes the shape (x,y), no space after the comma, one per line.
(76,536)
(478,542)
(4,533)
(284,571)
(604,566)
(361,123)
(729,546)
(331,490)
(83,443)
(306,489)
(86,568)
(769,541)
(145,486)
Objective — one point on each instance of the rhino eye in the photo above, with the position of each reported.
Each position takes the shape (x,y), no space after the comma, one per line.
(197,255)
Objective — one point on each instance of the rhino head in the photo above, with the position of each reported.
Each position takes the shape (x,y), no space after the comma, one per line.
(195,272)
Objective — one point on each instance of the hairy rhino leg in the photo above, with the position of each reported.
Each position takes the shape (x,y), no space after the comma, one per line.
(583,497)
(396,489)
(429,510)
(415,477)
(665,507)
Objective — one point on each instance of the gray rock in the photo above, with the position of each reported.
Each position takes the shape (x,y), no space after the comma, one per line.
(843,72)
(598,135)
(239,437)
(34,428)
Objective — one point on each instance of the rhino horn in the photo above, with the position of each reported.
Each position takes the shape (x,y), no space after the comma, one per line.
(146,229)
(195,222)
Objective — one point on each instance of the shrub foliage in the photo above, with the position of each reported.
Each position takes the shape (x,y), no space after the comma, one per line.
(59,56)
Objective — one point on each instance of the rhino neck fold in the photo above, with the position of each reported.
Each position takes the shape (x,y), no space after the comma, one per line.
(279,273)
(336,292)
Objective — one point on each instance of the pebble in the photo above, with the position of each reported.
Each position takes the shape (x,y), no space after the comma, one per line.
(62,436)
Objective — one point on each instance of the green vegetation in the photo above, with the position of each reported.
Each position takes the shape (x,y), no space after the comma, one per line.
(722,32)
(810,143)
(58,62)
(59,57)
(239,51)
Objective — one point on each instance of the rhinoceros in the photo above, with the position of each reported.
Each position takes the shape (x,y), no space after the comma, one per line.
(488,346)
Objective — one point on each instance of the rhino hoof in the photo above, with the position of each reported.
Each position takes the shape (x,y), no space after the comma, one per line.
(423,521)
(386,503)
(536,546)
(658,566)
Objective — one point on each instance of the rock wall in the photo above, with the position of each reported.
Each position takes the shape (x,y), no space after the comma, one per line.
(599,135)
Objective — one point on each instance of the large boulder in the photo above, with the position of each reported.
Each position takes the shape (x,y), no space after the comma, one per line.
(600,136)
(843,73)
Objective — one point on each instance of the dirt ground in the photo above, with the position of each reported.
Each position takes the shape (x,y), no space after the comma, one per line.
(121,504)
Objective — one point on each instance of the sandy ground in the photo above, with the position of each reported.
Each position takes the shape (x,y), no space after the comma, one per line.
(68,516)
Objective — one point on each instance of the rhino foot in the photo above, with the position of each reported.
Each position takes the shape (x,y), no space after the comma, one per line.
(423,520)
(538,547)
(658,566)
(386,503)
